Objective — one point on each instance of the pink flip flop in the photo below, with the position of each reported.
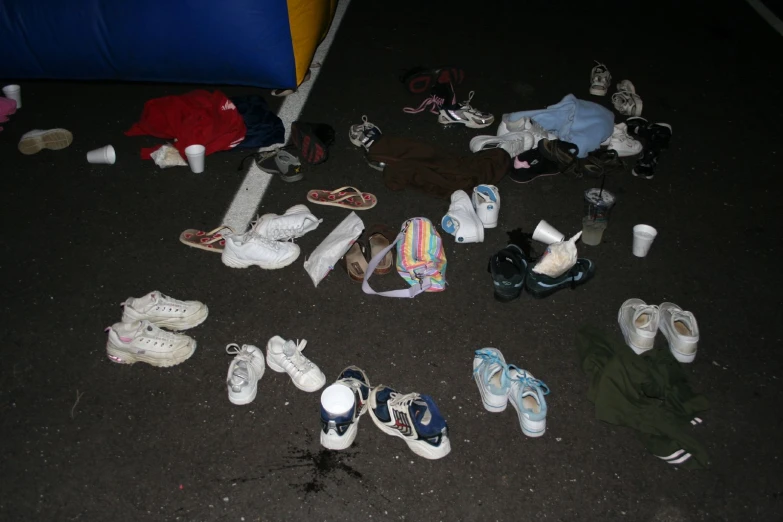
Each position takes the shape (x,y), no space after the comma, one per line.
(212,241)
(346,197)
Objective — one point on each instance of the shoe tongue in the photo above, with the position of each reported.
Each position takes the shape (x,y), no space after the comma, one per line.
(421,412)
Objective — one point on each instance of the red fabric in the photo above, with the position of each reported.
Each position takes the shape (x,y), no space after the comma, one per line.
(198,117)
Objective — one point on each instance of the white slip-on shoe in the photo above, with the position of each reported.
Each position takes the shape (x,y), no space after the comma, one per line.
(681,330)
(639,323)
(164,311)
(37,140)
(242,251)
(244,372)
(461,220)
(490,372)
(515,143)
(486,202)
(296,222)
(600,78)
(527,397)
(142,341)
(286,357)
(622,143)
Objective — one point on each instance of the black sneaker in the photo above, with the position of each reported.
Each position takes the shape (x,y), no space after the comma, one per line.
(600,162)
(508,268)
(531,165)
(645,166)
(562,153)
(652,135)
(539,285)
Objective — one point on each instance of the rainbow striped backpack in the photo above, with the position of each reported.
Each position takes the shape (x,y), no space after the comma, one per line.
(421,260)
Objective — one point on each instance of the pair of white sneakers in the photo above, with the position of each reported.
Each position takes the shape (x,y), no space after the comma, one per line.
(626,101)
(469,216)
(499,383)
(640,323)
(269,242)
(139,336)
(282,356)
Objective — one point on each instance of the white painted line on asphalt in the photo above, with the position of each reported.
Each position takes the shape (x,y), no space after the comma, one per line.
(767,15)
(250,193)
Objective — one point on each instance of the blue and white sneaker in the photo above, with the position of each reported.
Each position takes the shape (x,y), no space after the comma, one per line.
(486,201)
(339,432)
(527,397)
(364,134)
(463,113)
(412,417)
(490,372)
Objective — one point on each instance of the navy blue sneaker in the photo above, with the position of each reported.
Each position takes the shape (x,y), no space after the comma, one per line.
(539,285)
(339,431)
(364,134)
(412,417)
(508,268)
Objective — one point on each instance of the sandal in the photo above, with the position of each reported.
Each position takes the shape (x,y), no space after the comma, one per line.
(355,262)
(421,79)
(212,241)
(352,198)
(312,140)
(379,237)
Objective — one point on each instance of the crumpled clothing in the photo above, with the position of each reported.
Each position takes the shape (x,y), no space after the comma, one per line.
(7,107)
(195,118)
(583,123)
(264,127)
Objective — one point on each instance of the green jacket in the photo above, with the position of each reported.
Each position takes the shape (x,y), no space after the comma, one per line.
(649,393)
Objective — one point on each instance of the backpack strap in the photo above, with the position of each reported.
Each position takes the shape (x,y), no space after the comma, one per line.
(412,291)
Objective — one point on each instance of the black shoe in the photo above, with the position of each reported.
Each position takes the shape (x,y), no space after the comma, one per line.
(645,166)
(312,140)
(562,153)
(508,268)
(653,135)
(531,165)
(600,162)
(539,285)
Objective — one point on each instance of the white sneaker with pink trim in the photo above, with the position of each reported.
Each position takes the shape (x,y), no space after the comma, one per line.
(142,341)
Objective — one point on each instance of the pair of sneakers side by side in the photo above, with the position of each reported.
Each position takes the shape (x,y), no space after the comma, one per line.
(413,417)
(139,336)
(468,216)
(269,241)
(512,272)
(282,356)
(500,383)
(640,322)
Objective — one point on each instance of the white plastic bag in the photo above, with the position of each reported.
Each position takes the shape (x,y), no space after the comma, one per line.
(558,258)
(333,247)
(167,156)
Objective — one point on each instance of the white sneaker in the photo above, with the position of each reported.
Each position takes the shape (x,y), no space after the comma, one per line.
(524,125)
(244,372)
(465,114)
(491,375)
(142,341)
(681,330)
(242,251)
(37,140)
(639,323)
(527,397)
(486,202)
(626,85)
(515,143)
(621,142)
(461,221)
(600,78)
(286,356)
(296,222)
(164,311)
(627,103)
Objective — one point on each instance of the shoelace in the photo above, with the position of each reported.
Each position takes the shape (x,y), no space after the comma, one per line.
(651,310)
(466,106)
(434,103)
(525,380)
(240,355)
(252,234)
(300,362)
(490,358)
(403,400)
(623,101)
(278,233)
(366,125)
(600,72)
(162,306)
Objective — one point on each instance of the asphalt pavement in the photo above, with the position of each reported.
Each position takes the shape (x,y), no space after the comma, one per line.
(86,439)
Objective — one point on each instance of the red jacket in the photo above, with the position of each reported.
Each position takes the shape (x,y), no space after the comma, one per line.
(198,117)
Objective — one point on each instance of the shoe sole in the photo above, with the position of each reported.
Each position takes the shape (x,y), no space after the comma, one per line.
(55,139)
(313,149)
(341,443)
(422,449)
(279,369)
(122,357)
(234,262)
(177,325)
